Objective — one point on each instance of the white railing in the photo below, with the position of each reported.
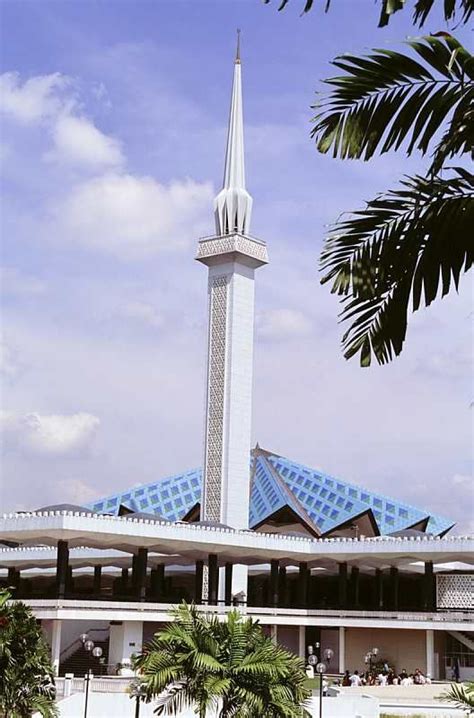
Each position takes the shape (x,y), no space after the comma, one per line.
(443,616)
(98,684)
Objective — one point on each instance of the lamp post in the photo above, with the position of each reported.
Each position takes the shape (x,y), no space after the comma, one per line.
(321,669)
(96,651)
(137,690)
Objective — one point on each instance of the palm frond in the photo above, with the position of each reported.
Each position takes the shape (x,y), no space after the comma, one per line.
(460,695)
(453,9)
(404,245)
(387,98)
(308,4)
(203,662)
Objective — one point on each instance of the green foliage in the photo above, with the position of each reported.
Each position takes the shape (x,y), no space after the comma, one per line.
(408,244)
(414,241)
(26,674)
(388,98)
(453,9)
(229,666)
(461,695)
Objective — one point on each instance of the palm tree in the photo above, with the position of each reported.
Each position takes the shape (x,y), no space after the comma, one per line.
(422,8)
(462,696)
(26,674)
(413,242)
(229,667)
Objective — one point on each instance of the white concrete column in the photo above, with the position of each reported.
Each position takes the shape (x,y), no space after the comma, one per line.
(56,645)
(126,638)
(342,649)
(274,633)
(430,663)
(240,580)
(302,642)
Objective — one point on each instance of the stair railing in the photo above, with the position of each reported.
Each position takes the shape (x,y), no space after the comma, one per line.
(77,643)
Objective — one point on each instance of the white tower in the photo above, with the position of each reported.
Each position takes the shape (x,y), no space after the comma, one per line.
(232,257)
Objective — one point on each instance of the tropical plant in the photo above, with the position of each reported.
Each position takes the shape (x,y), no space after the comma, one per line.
(413,241)
(26,674)
(422,8)
(228,667)
(461,695)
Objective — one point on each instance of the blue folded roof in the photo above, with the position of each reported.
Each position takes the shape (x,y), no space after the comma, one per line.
(321,501)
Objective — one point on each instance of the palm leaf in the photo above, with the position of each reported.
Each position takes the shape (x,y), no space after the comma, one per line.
(389,98)
(452,9)
(411,244)
(462,696)
(243,671)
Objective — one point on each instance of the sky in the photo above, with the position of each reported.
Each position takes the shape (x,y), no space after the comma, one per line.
(113,123)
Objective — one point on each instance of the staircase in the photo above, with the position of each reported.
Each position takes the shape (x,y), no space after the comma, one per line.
(467,639)
(81,660)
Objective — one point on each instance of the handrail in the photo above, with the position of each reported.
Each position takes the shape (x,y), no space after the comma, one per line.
(63,656)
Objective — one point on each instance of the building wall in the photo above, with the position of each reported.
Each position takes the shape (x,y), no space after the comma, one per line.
(402,649)
(149,630)
(288,637)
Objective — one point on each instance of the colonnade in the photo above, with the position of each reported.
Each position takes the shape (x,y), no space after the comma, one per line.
(142,584)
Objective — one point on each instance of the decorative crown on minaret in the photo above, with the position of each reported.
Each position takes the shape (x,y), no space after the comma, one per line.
(233,204)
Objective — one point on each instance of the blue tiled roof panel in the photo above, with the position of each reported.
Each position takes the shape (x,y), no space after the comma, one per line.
(171,497)
(277,482)
(338,501)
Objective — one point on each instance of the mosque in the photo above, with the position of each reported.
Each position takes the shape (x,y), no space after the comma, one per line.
(319,561)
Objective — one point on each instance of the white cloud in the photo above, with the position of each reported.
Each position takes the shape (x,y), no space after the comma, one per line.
(282,323)
(35,99)
(131,216)
(50,434)
(75,491)
(142,312)
(10,364)
(463,480)
(50,99)
(16,283)
(77,140)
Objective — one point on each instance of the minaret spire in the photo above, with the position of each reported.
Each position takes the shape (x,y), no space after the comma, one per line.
(237,54)
(232,257)
(233,204)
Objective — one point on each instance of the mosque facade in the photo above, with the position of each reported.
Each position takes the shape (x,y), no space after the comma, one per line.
(317,560)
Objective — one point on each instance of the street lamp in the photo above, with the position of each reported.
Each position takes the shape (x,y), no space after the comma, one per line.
(96,651)
(312,658)
(321,669)
(137,690)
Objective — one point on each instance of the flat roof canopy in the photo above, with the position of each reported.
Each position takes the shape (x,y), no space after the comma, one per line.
(191,542)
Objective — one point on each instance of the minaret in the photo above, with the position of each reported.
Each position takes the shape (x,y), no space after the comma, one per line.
(232,256)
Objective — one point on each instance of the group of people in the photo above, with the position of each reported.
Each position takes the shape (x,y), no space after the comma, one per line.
(385,677)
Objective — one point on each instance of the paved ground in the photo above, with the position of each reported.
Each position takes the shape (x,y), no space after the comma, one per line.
(402,694)
(394,700)
(107,705)
(410,700)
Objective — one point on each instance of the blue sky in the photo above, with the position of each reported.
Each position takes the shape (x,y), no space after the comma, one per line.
(112,140)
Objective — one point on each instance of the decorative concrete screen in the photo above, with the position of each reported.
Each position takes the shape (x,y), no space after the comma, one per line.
(455,590)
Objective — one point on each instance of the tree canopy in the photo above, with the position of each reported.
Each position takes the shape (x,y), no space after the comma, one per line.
(26,674)
(228,667)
